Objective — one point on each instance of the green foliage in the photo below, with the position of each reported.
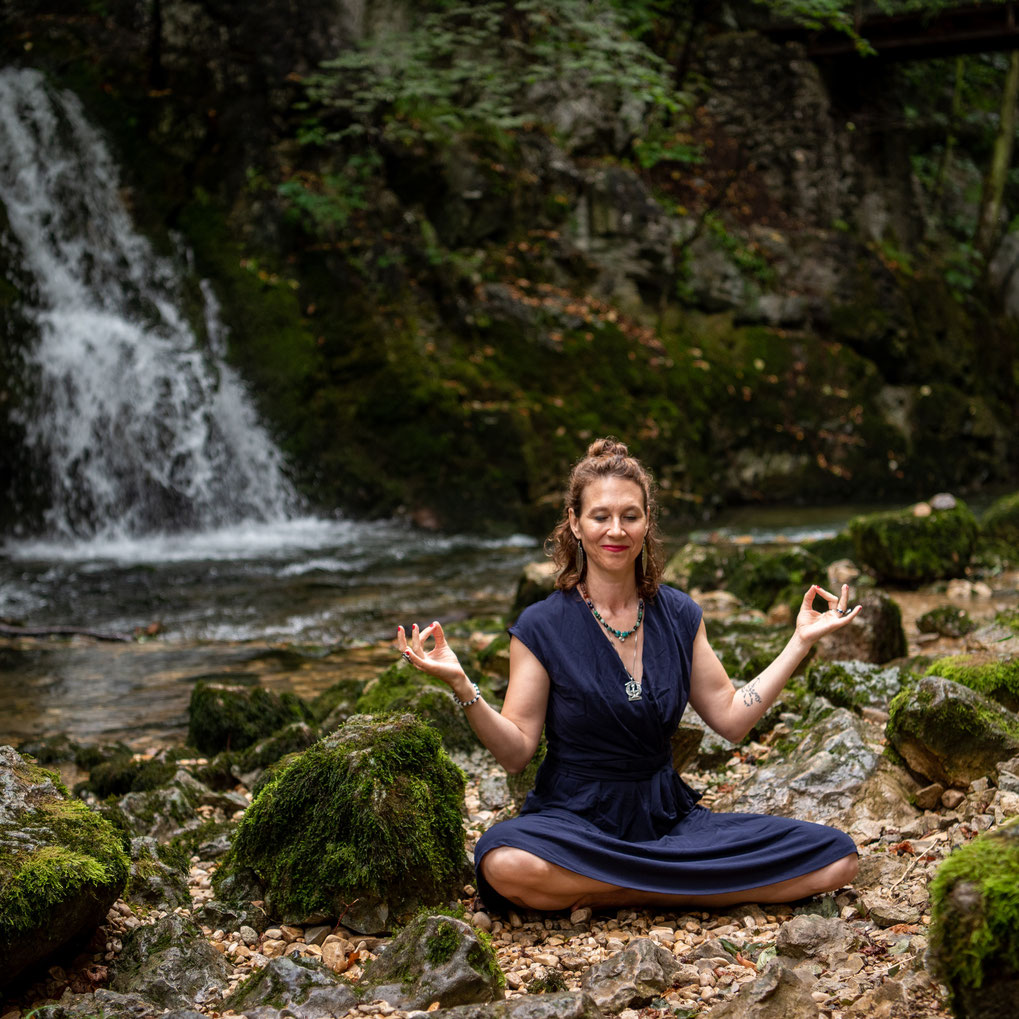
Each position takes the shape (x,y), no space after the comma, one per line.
(552,981)
(1000,521)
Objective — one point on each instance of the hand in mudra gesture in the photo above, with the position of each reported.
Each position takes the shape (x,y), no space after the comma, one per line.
(811,625)
(440,661)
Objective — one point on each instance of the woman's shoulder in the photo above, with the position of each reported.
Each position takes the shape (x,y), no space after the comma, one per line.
(548,610)
(678,604)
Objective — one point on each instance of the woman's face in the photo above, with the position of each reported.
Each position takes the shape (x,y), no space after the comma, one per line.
(611,524)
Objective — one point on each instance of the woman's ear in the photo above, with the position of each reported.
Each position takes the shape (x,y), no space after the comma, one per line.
(574,527)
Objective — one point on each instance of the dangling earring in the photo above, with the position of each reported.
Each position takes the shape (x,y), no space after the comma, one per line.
(580,558)
(643,558)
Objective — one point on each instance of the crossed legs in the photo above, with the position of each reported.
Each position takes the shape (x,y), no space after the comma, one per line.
(534,883)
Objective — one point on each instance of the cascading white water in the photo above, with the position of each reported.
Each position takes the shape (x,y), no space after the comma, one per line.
(139,422)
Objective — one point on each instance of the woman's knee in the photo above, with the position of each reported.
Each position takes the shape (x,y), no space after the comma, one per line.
(509,870)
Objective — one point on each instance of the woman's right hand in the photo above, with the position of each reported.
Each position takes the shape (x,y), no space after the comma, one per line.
(440,661)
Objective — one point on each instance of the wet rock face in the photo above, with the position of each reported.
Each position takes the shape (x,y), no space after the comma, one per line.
(365,824)
(61,866)
(234,717)
(974,946)
(949,733)
(853,684)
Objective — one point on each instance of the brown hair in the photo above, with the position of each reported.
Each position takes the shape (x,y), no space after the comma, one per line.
(605,458)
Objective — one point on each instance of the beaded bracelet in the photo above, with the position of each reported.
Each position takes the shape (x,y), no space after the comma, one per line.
(467,704)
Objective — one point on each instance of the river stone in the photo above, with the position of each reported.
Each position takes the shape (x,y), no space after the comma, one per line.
(164,813)
(974,934)
(810,936)
(634,976)
(62,865)
(686,741)
(949,733)
(435,958)
(536,583)
(157,878)
(299,986)
(563,1005)
(170,963)
(876,635)
(819,779)
(853,684)
(106,1003)
(778,993)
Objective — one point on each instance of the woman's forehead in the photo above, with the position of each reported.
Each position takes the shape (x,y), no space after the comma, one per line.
(612,491)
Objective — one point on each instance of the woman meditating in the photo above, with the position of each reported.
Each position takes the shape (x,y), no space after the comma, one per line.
(606,665)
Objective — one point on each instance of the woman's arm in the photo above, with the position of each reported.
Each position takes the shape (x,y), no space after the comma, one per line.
(511,735)
(733,713)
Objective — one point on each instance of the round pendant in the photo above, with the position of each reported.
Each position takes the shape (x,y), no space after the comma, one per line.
(632,689)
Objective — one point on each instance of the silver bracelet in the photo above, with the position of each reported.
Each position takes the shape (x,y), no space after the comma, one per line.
(467,704)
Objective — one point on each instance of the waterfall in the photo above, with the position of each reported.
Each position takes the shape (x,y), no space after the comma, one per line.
(138,423)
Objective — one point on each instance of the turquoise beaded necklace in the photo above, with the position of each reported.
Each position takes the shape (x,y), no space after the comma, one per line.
(620,635)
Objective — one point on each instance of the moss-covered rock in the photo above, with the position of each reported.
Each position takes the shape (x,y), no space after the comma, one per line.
(911,549)
(974,936)
(229,767)
(402,688)
(536,582)
(436,958)
(701,567)
(777,575)
(125,774)
(1000,521)
(950,734)
(997,678)
(290,982)
(233,717)
(334,705)
(946,621)
(853,684)
(62,865)
(365,825)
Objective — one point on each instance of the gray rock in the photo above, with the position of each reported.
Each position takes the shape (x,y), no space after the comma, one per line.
(816,937)
(301,987)
(154,882)
(494,792)
(170,963)
(103,1002)
(634,976)
(821,778)
(875,636)
(163,813)
(565,1005)
(778,993)
(62,865)
(435,958)
(886,913)
(949,733)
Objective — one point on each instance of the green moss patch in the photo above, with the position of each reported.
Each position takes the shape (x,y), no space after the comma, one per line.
(947,621)
(372,813)
(994,678)
(1000,521)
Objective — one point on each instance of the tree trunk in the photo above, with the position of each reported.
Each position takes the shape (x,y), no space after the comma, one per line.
(1001,160)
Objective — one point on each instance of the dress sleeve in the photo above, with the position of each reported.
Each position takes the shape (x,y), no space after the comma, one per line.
(531,628)
(684,613)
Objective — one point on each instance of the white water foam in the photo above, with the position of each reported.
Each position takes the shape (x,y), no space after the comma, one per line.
(140,424)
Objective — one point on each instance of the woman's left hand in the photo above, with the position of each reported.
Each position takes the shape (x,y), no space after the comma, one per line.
(811,625)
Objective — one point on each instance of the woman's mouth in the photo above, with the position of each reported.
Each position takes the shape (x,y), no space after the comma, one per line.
(614,548)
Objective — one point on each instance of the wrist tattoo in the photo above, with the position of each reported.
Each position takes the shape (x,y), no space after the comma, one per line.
(750,695)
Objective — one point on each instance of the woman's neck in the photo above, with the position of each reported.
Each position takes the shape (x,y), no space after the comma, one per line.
(614,594)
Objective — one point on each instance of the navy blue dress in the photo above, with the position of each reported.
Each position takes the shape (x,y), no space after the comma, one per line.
(607,801)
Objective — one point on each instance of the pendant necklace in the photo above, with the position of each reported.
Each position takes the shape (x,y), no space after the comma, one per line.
(632,687)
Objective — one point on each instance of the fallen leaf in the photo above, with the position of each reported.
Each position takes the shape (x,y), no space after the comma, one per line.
(433,1007)
(745,962)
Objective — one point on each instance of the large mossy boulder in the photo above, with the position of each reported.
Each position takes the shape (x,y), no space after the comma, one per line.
(402,688)
(951,734)
(911,547)
(366,825)
(62,865)
(247,766)
(224,717)
(974,936)
(746,646)
(997,678)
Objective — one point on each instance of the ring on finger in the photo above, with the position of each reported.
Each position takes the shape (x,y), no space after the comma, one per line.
(844,612)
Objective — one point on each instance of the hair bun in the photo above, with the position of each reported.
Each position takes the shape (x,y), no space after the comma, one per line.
(607,447)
